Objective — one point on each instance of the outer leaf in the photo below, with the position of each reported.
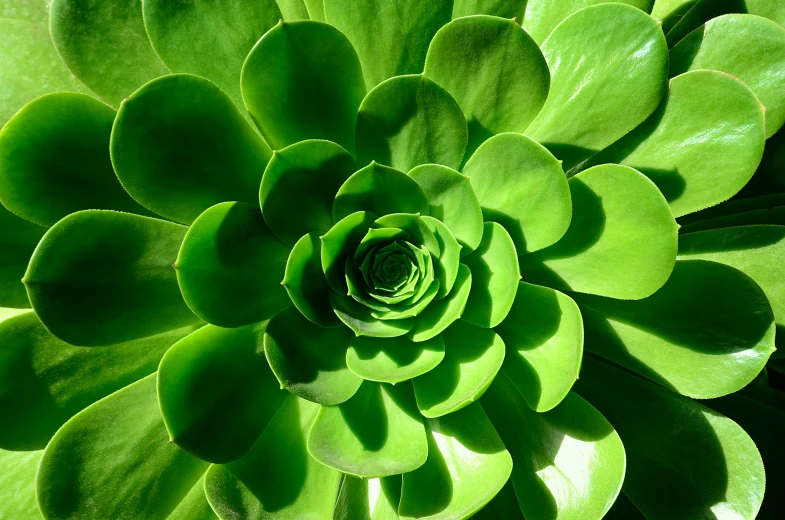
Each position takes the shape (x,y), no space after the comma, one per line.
(767,8)
(700,12)
(467,465)
(368,499)
(310,172)
(567,463)
(293,10)
(407,121)
(730,122)
(473,357)
(708,332)
(230,266)
(208,39)
(379,190)
(30,10)
(495,275)
(732,44)
(446,266)
(509,169)
(194,506)
(216,392)
(103,277)
(493,69)
(179,146)
(17,485)
(303,81)
(706,466)
(393,360)
(340,243)
(391,36)
(315,9)
(358,317)
(277,479)
(46,381)
(440,314)
(621,242)
(504,505)
(308,360)
(377,433)
(18,240)
(613,53)
(105,45)
(670,12)
(502,8)
(113,460)
(305,283)
(543,334)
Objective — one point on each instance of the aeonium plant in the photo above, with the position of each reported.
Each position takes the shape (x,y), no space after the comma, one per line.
(388,259)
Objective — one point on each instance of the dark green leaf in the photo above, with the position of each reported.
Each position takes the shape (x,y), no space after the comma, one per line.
(305,283)
(340,243)
(18,239)
(392,360)
(446,265)
(358,317)
(440,314)
(368,498)
(194,506)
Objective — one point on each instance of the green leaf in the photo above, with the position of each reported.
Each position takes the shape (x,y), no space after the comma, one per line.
(440,314)
(416,227)
(217,393)
(230,266)
(542,16)
(708,332)
(608,68)
(208,39)
(501,8)
(410,120)
(730,122)
(113,460)
(733,44)
(194,506)
(340,243)
(105,45)
(103,277)
(467,465)
(702,461)
(18,240)
(17,484)
(473,356)
(305,283)
(670,12)
(621,242)
(310,172)
(510,168)
(376,433)
(368,498)
(47,381)
(495,275)
(358,317)
(171,139)
(495,72)
(391,36)
(452,200)
(379,190)
(446,265)
(36,11)
(293,10)
(303,81)
(767,8)
(309,360)
(277,478)
(392,360)
(543,334)
(54,160)
(700,12)
(315,9)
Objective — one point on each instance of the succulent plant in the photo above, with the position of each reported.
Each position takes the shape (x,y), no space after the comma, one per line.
(332,259)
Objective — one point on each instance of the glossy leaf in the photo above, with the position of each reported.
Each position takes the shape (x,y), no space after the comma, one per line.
(467,465)
(179,145)
(410,120)
(305,283)
(446,265)
(440,314)
(303,81)
(730,122)
(277,478)
(194,506)
(114,459)
(380,190)
(54,160)
(103,277)
(230,266)
(391,36)
(208,39)
(310,172)
(567,463)
(17,484)
(708,332)
(495,275)
(376,433)
(731,44)
(609,52)
(621,242)
(105,45)
(416,227)
(308,360)
(501,8)
(293,10)
(707,466)
(18,240)
(493,69)
(47,381)
(361,321)
(670,12)
(368,498)
(217,393)
(473,356)
(543,334)
(339,243)
(520,185)
(392,360)
(315,9)
(700,12)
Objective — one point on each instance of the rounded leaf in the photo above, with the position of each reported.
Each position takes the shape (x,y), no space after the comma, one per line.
(17,484)
(18,240)
(340,243)
(305,283)
(440,314)
(392,360)
(360,319)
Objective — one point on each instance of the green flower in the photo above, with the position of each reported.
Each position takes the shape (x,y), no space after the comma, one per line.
(333,259)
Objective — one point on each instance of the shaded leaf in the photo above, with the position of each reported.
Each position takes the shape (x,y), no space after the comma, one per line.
(368,498)
(340,243)
(18,240)
(194,506)
(440,314)
(360,319)
(501,8)
(305,283)
(392,360)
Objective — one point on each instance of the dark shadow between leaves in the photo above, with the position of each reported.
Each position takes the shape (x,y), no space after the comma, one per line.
(478,134)
(374,131)
(366,416)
